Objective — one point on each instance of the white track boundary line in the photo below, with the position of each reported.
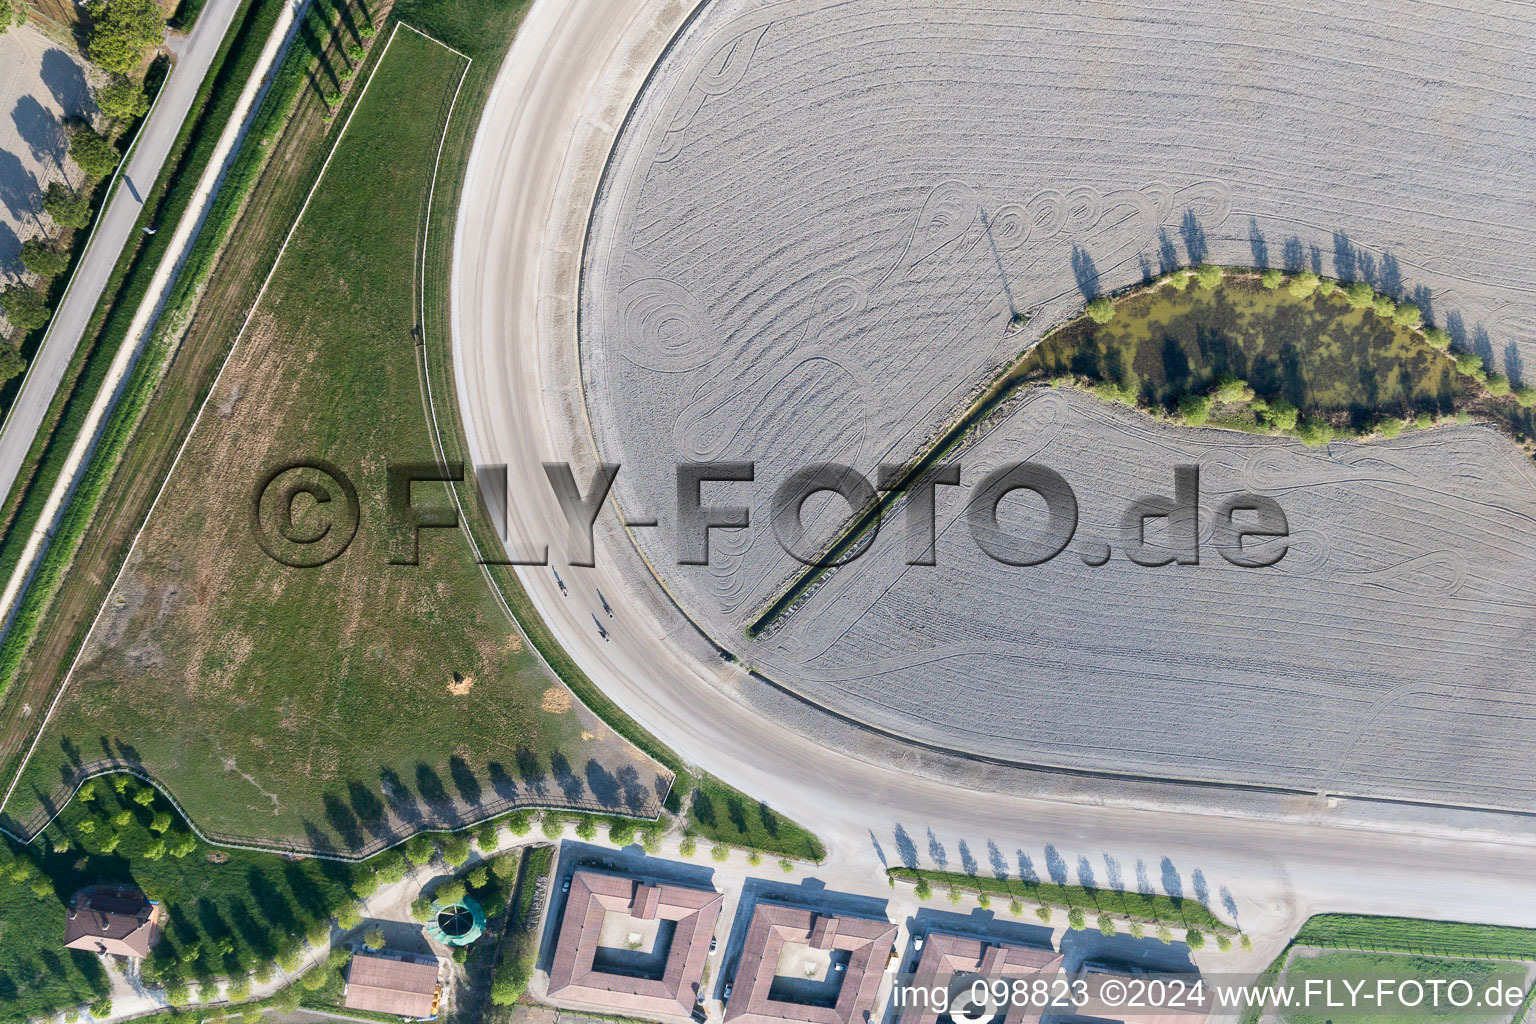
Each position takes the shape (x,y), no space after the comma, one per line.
(138,535)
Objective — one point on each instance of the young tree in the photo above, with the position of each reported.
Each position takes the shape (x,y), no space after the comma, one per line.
(182,844)
(552,825)
(479,878)
(719,852)
(788,866)
(1360,295)
(1497,385)
(92,154)
(1282,415)
(348,917)
(1303,284)
(24,307)
(122,99)
(373,939)
(44,259)
(1271,278)
(1209,275)
(688,847)
(121,31)
(1164,934)
(1102,310)
(144,796)
(1195,410)
(1077,920)
(449,892)
(1525,395)
(519,823)
(1469,363)
(923,891)
(419,849)
(161,822)
(1385,307)
(586,828)
(1138,930)
(1194,938)
(1043,912)
(1406,314)
(487,837)
(754,858)
(621,831)
(1106,926)
(455,850)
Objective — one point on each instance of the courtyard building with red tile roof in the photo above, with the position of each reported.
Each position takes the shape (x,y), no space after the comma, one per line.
(631,946)
(801,965)
(391,982)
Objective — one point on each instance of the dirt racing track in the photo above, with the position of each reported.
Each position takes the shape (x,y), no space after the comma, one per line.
(812,233)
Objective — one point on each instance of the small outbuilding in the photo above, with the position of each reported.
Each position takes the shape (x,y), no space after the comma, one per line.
(119,920)
(389,982)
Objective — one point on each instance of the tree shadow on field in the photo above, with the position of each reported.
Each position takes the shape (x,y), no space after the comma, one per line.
(1257,245)
(1173,885)
(604,787)
(66,82)
(1027,870)
(502,784)
(402,802)
(565,778)
(342,821)
(967,859)
(1514,366)
(936,851)
(274,906)
(1167,255)
(1195,243)
(19,190)
(41,131)
(10,251)
(1055,865)
(996,859)
(906,849)
(1086,272)
(464,780)
(529,770)
(1085,875)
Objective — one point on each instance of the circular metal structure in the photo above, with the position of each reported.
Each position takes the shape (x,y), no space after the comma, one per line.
(458,923)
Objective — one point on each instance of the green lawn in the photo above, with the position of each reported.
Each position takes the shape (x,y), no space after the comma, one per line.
(1368,968)
(724,815)
(1156,908)
(331,707)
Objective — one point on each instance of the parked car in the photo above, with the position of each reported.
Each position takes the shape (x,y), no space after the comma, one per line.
(713,942)
(725,996)
(698,1013)
(565,886)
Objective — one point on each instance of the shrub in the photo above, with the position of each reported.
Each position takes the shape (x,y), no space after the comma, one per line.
(161,822)
(144,796)
(1385,307)
(1303,284)
(1076,919)
(122,30)
(621,831)
(1423,421)
(1314,433)
(1281,415)
(1406,314)
(1463,417)
(102,1007)
(68,209)
(24,307)
(754,858)
(455,850)
(355,53)
(365,883)
(122,99)
(586,828)
(421,908)
(367,31)
(418,850)
(1359,294)
(391,867)
(182,844)
(1106,926)
(1194,938)
(1043,912)
(1180,279)
(345,74)
(1497,385)
(1209,275)
(45,259)
(923,890)
(332,98)
(1195,410)
(719,852)
(239,989)
(688,847)
(1439,337)
(786,865)
(1525,395)
(1271,278)
(155,850)
(92,154)
(1231,389)
(1469,363)
(449,892)
(1101,310)
(1327,286)
(1390,427)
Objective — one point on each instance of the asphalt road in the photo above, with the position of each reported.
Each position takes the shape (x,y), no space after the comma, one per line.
(547,127)
(194,54)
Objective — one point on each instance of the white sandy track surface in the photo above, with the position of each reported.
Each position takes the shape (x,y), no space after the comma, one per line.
(112,230)
(817,223)
(547,130)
